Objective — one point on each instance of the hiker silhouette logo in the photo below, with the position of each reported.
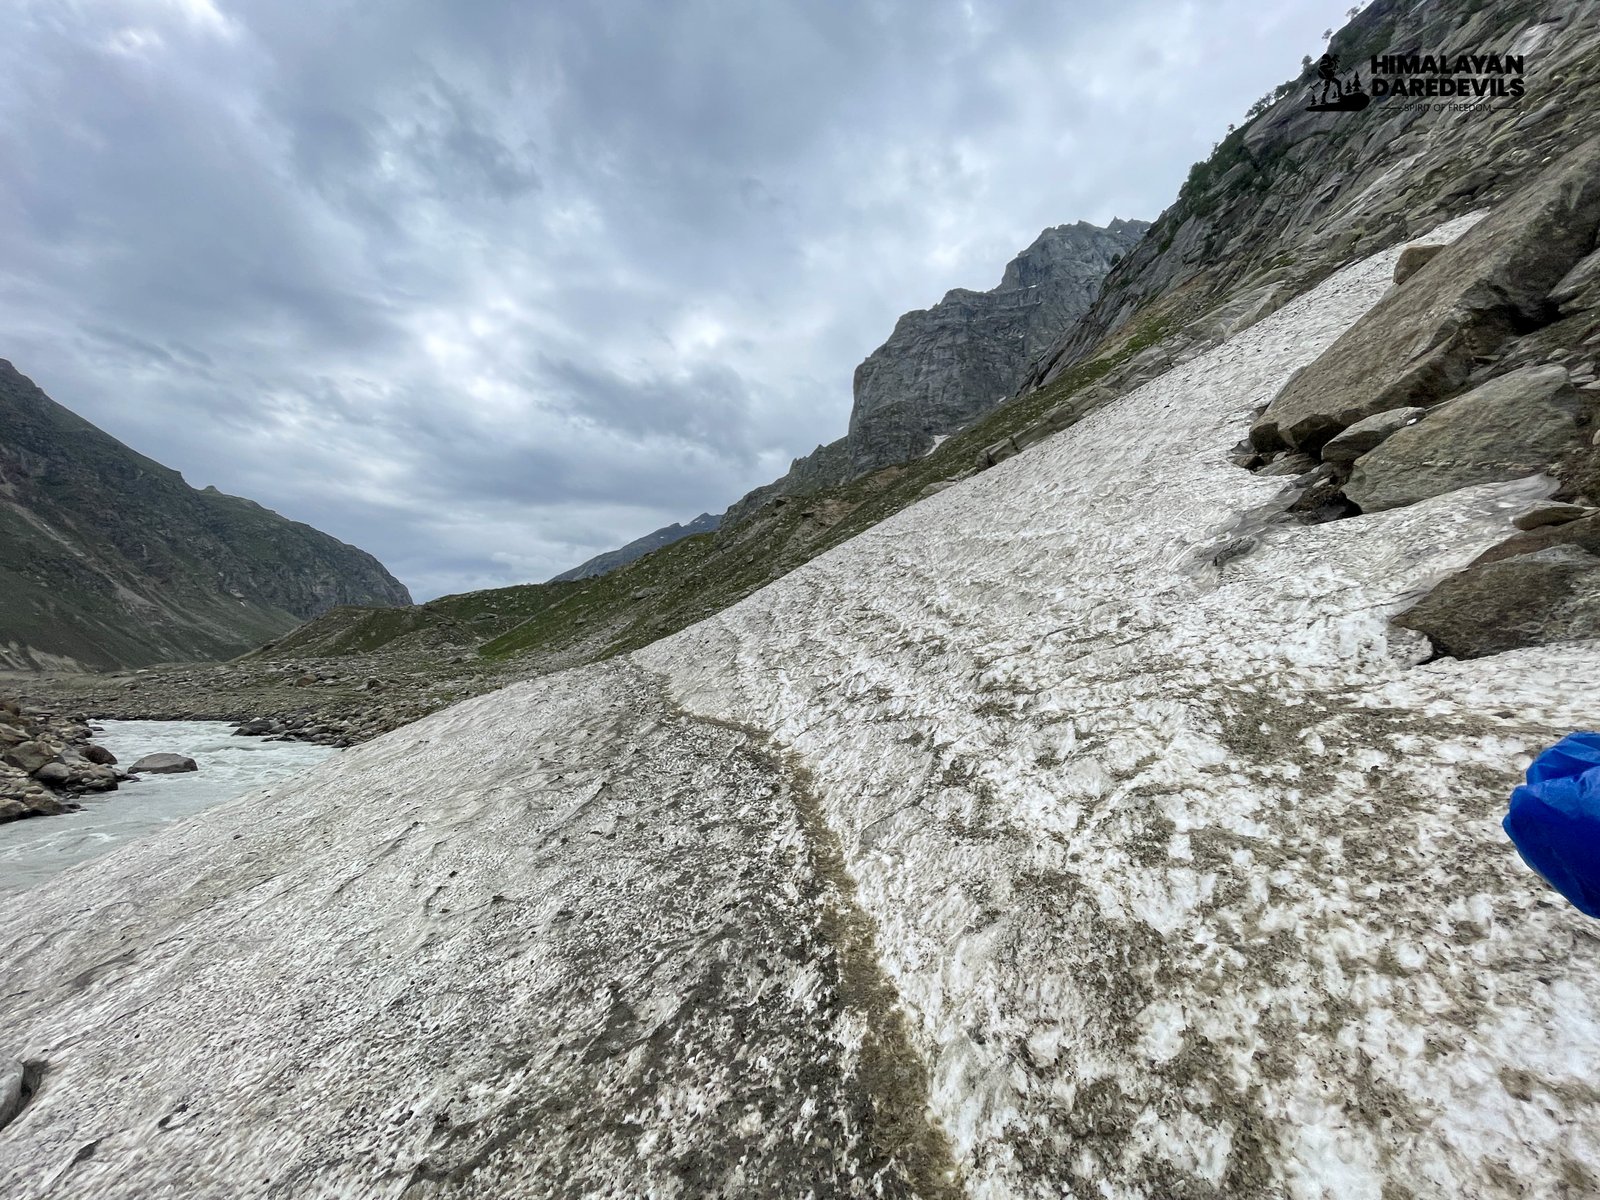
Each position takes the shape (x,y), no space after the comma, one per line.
(1336,95)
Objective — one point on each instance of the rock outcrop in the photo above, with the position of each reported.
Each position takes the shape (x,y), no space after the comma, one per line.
(1292,195)
(110,559)
(1421,343)
(1515,425)
(944,366)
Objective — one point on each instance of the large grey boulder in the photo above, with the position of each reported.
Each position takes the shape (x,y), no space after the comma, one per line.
(1369,434)
(163,764)
(29,756)
(1513,426)
(1417,345)
(1550,595)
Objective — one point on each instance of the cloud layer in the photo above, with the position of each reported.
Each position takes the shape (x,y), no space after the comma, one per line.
(488,287)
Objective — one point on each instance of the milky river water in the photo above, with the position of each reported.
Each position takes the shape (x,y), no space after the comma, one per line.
(36,848)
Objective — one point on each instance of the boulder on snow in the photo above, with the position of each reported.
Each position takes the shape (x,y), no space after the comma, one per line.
(1583,533)
(1412,259)
(997,453)
(1368,434)
(164,764)
(1513,426)
(1550,513)
(1551,595)
(1416,346)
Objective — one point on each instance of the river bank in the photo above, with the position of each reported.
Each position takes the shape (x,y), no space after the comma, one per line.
(229,767)
(325,701)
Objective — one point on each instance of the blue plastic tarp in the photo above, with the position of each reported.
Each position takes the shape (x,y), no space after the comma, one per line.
(1554,820)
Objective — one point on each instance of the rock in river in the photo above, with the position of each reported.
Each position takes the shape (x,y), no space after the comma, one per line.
(163,764)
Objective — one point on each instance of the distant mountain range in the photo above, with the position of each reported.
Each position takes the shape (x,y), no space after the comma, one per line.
(622,556)
(109,559)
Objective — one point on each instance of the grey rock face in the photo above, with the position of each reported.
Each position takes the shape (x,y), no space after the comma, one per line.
(1417,345)
(1576,288)
(1294,194)
(1369,434)
(824,467)
(1550,595)
(1510,427)
(164,764)
(945,365)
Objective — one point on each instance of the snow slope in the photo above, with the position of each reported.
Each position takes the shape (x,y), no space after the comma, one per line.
(1190,878)
(1145,876)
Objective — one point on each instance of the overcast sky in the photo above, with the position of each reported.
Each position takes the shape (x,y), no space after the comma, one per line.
(487,286)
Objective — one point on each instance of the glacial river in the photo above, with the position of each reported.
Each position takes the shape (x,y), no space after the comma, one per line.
(36,848)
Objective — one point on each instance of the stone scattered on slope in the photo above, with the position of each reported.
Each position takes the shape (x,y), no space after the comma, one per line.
(1368,434)
(1417,346)
(1551,595)
(1412,259)
(1551,513)
(163,764)
(1516,425)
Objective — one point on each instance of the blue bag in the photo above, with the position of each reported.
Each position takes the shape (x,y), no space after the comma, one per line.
(1554,820)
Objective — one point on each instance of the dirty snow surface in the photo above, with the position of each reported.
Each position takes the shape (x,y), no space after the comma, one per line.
(1014,848)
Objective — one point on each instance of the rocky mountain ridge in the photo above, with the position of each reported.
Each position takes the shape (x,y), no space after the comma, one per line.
(610,560)
(945,366)
(109,559)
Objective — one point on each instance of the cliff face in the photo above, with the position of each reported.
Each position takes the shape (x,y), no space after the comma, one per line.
(944,366)
(108,558)
(1291,195)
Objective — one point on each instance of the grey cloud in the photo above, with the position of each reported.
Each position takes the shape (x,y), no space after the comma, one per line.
(488,287)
